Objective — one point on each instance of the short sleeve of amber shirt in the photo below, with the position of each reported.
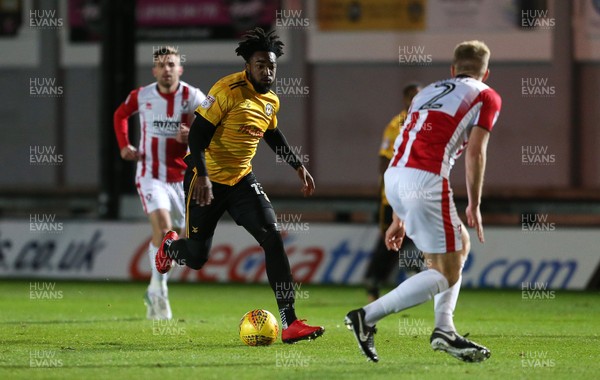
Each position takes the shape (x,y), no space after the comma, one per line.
(216,105)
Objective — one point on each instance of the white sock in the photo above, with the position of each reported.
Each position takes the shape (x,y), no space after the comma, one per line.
(413,291)
(158,281)
(444,304)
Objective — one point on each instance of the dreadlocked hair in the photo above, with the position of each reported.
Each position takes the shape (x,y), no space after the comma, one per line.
(258,40)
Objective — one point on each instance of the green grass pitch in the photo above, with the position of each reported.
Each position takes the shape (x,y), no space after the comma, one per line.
(92,330)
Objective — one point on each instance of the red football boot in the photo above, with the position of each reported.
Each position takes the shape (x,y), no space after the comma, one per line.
(162,261)
(299,330)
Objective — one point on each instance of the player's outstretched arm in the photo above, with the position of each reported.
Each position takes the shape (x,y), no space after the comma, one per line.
(475,168)
(278,143)
(395,234)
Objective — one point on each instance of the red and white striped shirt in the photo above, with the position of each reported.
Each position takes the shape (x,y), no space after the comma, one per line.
(160,118)
(436,130)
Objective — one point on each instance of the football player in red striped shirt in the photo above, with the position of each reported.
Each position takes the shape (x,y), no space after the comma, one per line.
(166,110)
(445,119)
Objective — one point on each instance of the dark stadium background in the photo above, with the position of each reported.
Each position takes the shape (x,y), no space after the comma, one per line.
(87,56)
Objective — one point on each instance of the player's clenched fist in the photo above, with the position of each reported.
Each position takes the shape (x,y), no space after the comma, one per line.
(129,153)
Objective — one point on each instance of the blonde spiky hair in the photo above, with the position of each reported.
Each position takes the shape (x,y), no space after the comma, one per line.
(471,58)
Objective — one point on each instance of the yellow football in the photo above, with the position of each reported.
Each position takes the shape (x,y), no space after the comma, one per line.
(258,328)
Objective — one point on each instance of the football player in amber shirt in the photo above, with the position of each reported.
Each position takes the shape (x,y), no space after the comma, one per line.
(239,110)
(382,262)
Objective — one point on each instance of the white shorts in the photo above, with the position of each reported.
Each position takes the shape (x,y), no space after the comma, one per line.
(423,200)
(156,194)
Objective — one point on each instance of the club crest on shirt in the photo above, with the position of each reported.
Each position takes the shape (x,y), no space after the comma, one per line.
(184,105)
(206,103)
(269,109)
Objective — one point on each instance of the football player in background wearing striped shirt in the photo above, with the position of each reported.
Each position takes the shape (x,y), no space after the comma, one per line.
(166,110)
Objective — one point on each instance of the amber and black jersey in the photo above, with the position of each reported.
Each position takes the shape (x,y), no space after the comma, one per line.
(241,116)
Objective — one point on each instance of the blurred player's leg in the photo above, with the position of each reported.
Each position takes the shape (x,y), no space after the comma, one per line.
(378,270)
(156,200)
(157,296)
(382,260)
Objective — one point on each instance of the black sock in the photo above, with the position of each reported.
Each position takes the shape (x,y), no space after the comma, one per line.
(373,291)
(167,247)
(193,253)
(288,314)
(280,277)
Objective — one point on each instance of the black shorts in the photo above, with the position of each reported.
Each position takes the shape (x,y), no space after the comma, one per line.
(245,201)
